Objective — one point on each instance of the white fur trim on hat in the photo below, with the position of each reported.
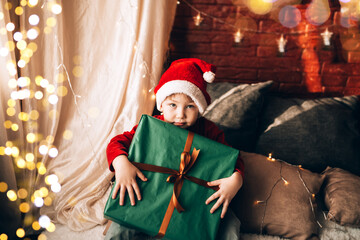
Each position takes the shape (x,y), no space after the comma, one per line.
(181,86)
(209,76)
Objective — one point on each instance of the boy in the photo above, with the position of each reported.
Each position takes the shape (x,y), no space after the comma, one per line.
(181,97)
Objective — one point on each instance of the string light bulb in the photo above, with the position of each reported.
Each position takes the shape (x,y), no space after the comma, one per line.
(326,35)
(198,19)
(238,36)
(281,43)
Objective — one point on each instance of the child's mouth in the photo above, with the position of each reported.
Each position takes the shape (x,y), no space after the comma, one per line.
(179,123)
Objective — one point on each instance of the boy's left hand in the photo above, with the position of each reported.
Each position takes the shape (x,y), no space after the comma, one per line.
(228,187)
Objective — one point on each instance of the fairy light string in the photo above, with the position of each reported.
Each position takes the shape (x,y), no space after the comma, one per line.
(281,178)
(240,32)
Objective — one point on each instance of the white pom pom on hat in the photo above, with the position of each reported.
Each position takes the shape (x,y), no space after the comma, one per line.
(189,76)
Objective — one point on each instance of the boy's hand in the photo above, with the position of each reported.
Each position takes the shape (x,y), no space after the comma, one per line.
(228,187)
(125,175)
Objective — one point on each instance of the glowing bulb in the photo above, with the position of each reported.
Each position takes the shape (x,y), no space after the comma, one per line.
(53,99)
(285,182)
(18,36)
(56,9)
(326,37)
(39,202)
(281,43)
(34,19)
(56,187)
(198,19)
(39,95)
(44,221)
(32,34)
(10,27)
(53,152)
(51,179)
(43,149)
(238,36)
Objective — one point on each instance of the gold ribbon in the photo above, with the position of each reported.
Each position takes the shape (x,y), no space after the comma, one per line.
(177,177)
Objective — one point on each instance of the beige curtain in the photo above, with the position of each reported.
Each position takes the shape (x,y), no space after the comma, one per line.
(95,65)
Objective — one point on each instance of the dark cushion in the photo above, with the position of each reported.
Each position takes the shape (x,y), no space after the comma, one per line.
(235,108)
(342,196)
(277,198)
(313,133)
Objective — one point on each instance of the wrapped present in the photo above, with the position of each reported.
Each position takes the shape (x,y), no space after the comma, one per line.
(178,165)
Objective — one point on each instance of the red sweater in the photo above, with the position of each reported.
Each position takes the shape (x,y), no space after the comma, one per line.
(119,145)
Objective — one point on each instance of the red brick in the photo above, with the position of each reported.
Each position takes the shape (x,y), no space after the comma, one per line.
(236,73)
(309,54)
(352,91)
(334,69)
(353,68)
(311,67)
(202,48)
(326,56)
(272,27)
(263,51)
(334,80)
(312,82)
(329,90)
(280,62)
(220,48)
(280,75)
(353,82)
(238,50)
(292,88)
(353,57)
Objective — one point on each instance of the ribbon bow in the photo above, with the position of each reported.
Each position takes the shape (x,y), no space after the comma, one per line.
(177,177)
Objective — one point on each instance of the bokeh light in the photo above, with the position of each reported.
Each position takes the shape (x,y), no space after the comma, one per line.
(289,16)
(260,7)
(318,12)
(44,221)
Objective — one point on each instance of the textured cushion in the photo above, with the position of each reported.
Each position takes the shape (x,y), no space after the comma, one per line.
(313,133)
(235,109)
(342,196)
(285,209)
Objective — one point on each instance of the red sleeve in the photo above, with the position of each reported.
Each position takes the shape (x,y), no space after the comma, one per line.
(119,145)
(213,132)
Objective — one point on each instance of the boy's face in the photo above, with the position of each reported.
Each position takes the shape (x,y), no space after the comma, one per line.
(179,109)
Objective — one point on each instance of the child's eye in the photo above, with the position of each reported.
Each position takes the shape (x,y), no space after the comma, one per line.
(172,105)
(190,106)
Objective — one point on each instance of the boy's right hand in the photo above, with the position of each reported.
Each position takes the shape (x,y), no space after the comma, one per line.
(125,175)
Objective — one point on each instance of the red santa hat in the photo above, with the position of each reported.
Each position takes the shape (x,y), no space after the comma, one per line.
(189,76)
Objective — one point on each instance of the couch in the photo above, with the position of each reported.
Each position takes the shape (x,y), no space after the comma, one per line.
(302,161)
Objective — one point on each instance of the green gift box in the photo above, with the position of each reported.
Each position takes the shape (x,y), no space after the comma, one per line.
(173,182)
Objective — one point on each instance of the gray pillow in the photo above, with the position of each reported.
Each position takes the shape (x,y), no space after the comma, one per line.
(235,109)
(313,133)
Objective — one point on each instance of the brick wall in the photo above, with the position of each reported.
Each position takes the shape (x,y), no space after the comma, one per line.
(306,66)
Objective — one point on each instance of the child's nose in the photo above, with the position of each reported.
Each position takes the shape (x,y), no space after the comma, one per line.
(180,113)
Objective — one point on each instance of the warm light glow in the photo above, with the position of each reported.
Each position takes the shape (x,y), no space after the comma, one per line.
(10,27)
(11,194)
(20,232)
(281,43)
(18,36)
(24,207)
(326,35)
(44,221)
(56,9)
(3,187)
(32,34)
(238,36)
(260,7)
(198,19)
(39,202)
(56,187)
